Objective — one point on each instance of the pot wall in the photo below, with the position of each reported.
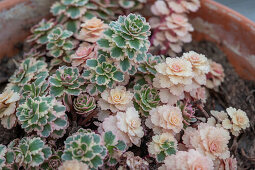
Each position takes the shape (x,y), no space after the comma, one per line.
(16,19)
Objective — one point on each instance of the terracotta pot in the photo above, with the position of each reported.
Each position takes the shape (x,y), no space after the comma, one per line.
(233,33)
(16,19)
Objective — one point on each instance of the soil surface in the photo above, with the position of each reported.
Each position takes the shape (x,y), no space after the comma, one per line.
(234,92)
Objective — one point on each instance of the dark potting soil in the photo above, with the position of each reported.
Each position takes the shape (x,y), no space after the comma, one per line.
(234,92)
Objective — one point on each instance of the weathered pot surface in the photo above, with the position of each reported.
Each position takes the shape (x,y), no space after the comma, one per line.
(16,19)
(233,32)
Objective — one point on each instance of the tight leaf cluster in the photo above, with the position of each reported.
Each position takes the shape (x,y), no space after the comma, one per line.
(127,41)
(85,146)
(66,80)
(43,115)
(146,98)
(27,153)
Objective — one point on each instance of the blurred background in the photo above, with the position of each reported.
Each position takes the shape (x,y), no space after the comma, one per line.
(245,7)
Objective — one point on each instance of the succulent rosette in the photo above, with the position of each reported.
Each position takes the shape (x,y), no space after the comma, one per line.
(28,69)
(40,32)
(127,41)
(146,98)
(38,87)
(85,146)
(43,115)
(73,9)
(67,80)
(148,65)
(102,73)
(29,152)
(84,104)
(53,162)
(59,43)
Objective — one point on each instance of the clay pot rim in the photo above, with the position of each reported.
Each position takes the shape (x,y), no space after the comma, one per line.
(7,4)
(236,15)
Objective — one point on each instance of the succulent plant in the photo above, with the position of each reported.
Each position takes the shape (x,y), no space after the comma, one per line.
(127,41)
(43,115)
(132,4)
(162,145)
(166,149)
(53,162)
(76,9)
(85,146)
(112,146)
(66,80)
(146,98)
(73,9)
(38,87)
(3,151)
(40,31)
(27,70)
(148,65)
(59,43)
(102,72)
(84,104)
(28,152)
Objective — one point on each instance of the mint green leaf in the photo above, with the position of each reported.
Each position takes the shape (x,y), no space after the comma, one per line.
(60,122)
(57,91)
(74,92)
(103,43)
(36,144)
(125,65)
(118,76)
(101,80)
(109,138)
(120,42)
(116,52)
(57,8)
(161,156)
(135,43)
(73,12)
(92,63)
(121,145)
(37,159)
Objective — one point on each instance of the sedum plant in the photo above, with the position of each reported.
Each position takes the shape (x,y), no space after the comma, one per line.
(67,80)
(85,146)
(145,98)
(84,104)
(132,5)
(73,12)
(43,115)
(102,73)
(8,105)
(28,69)
(113,145)
(40,32)
(53,162)
(71,8)
(127,41)
(39,87)
(3,151)
(162,146)
(148,65)
(29,152)
(59,43)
